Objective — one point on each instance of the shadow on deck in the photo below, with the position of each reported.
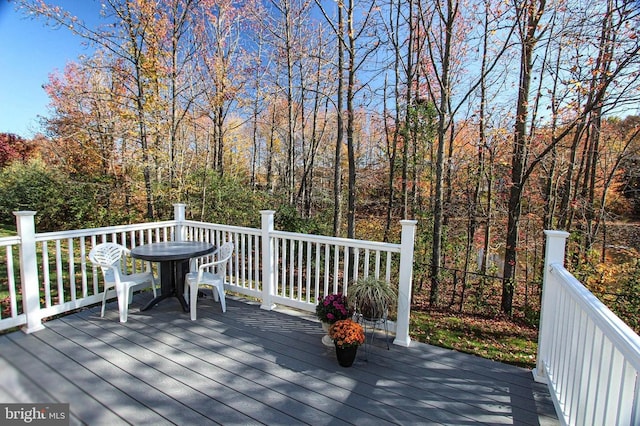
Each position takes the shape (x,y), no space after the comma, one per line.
(251,366)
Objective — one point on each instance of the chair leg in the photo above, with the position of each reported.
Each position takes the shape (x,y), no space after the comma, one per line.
(123,302)
(221,297)
(104,301)
(193,299)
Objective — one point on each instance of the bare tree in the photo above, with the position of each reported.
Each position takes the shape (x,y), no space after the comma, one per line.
(445,28)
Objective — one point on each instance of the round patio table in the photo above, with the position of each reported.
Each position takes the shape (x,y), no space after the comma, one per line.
(173,257)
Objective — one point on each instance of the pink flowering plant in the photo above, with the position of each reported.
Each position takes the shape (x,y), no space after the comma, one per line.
(332,308)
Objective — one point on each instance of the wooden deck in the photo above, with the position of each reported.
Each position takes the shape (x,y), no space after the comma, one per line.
(251,366)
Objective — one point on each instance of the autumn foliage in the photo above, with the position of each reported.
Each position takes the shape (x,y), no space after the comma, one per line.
(14,148)
(486,122)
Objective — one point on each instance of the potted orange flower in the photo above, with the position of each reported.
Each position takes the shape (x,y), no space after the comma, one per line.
(347,335)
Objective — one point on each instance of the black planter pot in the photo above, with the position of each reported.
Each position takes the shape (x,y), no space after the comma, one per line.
(346,356)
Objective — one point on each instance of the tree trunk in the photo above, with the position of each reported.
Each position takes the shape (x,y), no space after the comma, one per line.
(351,155)
(337,168)
(532,15)
(438,208)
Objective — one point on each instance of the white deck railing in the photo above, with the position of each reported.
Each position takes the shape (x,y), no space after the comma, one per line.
(589,358)
(52,273)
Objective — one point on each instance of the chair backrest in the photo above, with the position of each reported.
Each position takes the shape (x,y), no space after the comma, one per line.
(224,254)
(108,257)
(225,251)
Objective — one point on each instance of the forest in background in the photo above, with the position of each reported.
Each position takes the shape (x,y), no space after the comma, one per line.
(487,122)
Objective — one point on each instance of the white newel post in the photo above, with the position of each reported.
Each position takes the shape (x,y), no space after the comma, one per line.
(179,216)
(554,254)
(405,282)
(268,267)
(29,271)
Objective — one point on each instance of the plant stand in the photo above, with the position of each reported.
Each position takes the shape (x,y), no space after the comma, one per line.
(371,324)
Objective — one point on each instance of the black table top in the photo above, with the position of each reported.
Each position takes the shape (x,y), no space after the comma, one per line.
(171,250)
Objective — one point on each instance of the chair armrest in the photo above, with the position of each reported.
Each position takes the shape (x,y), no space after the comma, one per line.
(104,265)
(212,264)
(116,271)
(193,262)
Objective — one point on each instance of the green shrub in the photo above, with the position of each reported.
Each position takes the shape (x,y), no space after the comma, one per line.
(225,200)
(288,219)
(59,202)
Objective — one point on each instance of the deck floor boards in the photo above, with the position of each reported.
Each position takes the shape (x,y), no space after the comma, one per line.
(251,366)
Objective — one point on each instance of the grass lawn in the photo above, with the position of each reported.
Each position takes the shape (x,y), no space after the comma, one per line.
(493,338)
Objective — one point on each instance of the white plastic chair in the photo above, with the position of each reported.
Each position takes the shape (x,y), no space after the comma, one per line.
(108,257)
(201,278)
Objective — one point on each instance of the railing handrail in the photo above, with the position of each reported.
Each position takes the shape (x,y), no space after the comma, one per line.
(323,239)
(222,227)
(621,335)
(89,232)
(9,241)
(347,242)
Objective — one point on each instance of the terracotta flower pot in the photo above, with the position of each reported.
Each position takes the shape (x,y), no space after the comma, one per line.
(347,355)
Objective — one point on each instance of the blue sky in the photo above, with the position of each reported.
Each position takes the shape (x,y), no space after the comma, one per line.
(29,52)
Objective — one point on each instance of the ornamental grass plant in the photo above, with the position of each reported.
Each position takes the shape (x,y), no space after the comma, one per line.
(346,333)
(332,308)
(372,297)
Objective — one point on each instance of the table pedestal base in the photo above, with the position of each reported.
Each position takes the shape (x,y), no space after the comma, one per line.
(156,300)
(171,283)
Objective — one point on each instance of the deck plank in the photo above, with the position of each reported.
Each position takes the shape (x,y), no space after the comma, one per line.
(251,366)
(38,364)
